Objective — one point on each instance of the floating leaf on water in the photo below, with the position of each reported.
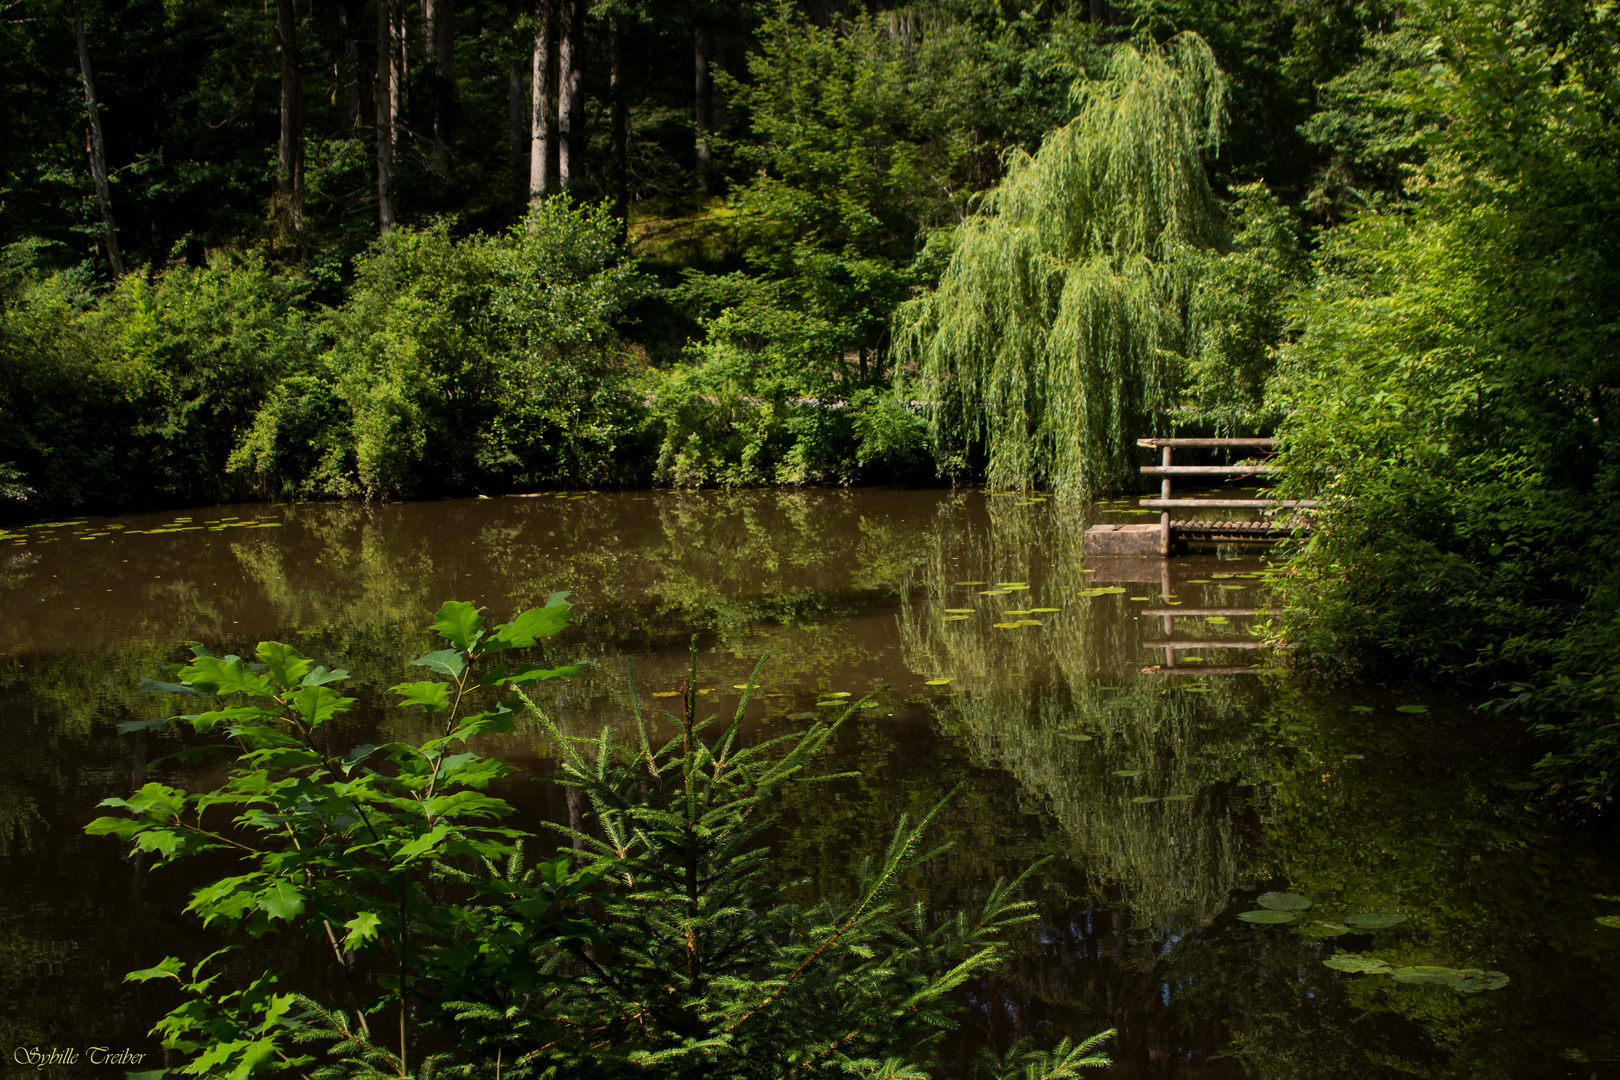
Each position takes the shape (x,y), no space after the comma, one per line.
(1128,773)
(937,682)
(1020,612)
(1044,610)
(1474,981)
(1008,625)
(1427,975)
(1030,622)
(666,693)
(973,583)
(834,693)
(1324,929)
(1412,708)
(1267,917)
(1103,590)
(1012,584)
(992,592)
(872,705)
(830,702)
(1231,586)
(1355,757)
(1142,800)
(1199,581)
(1217,620)
(1076,738)
(1356,963)
(1282,901)
(1378,920)
(1361,708)
(960,610)
(741,686)
(1178,798)
(954,618)
(1143,598)
(1611,921)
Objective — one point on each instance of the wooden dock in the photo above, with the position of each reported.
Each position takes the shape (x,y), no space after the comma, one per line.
(1168,535)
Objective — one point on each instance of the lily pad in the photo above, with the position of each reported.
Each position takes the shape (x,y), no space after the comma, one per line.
(1361,708)
(1412,708)
(1426,975)
(1266,917)
(1008,625)
(1020,611)
(1611,921)
(830,702)
(1044,610)
(1129,774)
(960,610)
(937,682)
(954,618)
(1355,757)
(1378,920)
(1144,799)
(1282,901)
(1012,584)
(1217,620)
(1474,981)
(1357,964)
(834,693)
(1178,798)
(973,583)
(1324,930)
(1142,598)
(1104,590)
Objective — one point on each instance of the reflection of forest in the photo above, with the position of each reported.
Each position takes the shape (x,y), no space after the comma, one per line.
(848,591)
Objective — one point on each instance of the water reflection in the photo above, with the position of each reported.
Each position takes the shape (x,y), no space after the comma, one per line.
(1164,802)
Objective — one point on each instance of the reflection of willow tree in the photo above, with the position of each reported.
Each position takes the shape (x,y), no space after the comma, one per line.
(1062,708)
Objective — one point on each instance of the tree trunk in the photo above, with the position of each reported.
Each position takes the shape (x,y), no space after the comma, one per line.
(702,45)
(290,159)
(441,31)
(542,79)
(618,151)
(516,99)
(348,72)
(568,32)
(385,115)
(96,149)
(399,68)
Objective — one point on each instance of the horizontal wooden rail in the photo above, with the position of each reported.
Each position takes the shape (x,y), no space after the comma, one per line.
(1231,504)
(1213,643)
(1226,611)
(1206,470)
(1199,669)
(1152,444)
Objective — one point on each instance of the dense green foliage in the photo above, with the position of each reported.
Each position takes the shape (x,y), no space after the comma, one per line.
(868,242)
(658,944)
(1454,382)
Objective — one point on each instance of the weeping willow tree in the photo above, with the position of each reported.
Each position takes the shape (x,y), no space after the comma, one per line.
(1053,338)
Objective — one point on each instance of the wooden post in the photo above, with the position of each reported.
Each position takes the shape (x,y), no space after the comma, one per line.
(1164,516)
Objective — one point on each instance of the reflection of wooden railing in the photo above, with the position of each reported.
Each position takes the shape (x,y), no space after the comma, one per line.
(1171,645)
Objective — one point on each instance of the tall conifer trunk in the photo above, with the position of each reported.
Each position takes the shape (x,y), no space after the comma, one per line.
(542,78)
(290,157)
(385,115)
(618,150)
(348,72)
(440,16)
(96,148)
(703,100)
(569,29)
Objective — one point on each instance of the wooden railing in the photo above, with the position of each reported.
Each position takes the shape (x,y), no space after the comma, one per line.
(1167,470)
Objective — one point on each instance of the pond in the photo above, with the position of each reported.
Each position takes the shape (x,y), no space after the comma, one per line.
(1167,804)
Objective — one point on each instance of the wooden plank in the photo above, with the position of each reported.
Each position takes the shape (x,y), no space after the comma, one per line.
(1229,504)
(1199,669)
(1206,470)
(1226,611)
(1210,643)
(1155,443)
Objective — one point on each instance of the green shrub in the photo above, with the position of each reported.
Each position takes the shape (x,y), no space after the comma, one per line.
(659,945)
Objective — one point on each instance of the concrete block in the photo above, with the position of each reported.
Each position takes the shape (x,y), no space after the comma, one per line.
(1122,540)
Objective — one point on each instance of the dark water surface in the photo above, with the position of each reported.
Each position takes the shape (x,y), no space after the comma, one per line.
(1165,803)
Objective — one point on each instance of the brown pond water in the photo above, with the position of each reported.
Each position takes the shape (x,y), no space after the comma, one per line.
(1165,804)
